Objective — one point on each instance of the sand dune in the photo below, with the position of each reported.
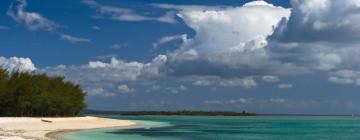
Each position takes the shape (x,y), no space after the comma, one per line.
(14,128)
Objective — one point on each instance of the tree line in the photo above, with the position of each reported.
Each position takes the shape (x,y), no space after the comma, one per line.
(31,94)
(187,113)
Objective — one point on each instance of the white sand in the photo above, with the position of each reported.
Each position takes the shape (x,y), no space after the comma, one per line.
(14,128)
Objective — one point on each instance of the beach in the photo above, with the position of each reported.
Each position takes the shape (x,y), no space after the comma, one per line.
(28,128)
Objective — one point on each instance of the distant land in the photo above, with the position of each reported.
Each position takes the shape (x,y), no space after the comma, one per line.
(167,113)
(194,113)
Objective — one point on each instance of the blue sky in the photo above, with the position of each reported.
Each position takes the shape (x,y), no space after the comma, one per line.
(296,56)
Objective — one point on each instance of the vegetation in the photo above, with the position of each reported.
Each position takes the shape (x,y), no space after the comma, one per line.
(29,94)
(187,113)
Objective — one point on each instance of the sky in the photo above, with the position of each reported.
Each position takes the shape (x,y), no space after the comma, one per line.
(266,57)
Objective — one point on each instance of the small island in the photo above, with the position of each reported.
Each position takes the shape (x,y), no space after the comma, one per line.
(186,113)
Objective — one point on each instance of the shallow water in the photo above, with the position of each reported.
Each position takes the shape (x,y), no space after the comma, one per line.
(228,128)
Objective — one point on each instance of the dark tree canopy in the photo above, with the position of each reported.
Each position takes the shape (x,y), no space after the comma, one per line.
(30,94)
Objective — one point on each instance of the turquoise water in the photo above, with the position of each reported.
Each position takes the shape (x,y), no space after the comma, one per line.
(228,128)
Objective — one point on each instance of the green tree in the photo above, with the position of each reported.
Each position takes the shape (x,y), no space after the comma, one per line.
(30,94)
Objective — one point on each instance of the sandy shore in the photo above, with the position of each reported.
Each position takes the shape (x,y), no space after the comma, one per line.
(12,128)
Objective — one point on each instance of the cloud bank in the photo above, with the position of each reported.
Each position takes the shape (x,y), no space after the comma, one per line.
(237,46)
(17,64)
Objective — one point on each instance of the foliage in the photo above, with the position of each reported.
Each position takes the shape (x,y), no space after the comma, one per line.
(29,94)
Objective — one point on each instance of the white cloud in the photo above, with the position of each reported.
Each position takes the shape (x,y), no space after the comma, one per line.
(184,7)
(227,49)
(105,75)
(152,88)
(117,46)
(285,86)
(124,14)
(327,61)
(230,102)
(345,77)
(169,17)
(322,36)
(218,30)
(322,20)
(116,69)
(74,39)
(230,41)
(176,90)
(95,27)
(203,82)
(32,20)
(97,71)
(17,63)
(247,82)
(106,56)
(99,91)
(125,89)
(35,21)
(232,45)
(270,78)
(167,39)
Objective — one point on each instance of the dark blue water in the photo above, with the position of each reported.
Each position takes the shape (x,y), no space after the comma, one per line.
(232,128)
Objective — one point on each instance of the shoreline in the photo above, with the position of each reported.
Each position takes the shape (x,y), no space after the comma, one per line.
(54,134)
(27,128)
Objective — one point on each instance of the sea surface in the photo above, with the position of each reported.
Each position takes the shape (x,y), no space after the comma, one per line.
(228,128)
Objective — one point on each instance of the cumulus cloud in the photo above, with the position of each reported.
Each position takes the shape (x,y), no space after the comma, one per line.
(232,45)
(107,74)
(227,49)
(124,89)
(322,20)
(327,61)
(124,14)
(233,27)
(319,36)
(32,20)
(17,63)
(73,39)
(229,41)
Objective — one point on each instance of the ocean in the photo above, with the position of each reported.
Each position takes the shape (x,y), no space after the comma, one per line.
(228,128)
